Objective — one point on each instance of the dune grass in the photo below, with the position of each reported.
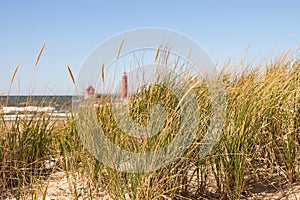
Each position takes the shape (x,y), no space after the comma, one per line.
(259,144)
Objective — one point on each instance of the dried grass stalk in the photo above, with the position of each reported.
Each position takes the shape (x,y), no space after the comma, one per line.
(40,53)
(14,74)
(157,53)
(120,47)
(102,72)
(71,74)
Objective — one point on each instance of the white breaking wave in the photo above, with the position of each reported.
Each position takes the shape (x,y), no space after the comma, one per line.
(14,109)
(11,113)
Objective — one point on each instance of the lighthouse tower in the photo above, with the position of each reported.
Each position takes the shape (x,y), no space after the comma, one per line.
(123,93)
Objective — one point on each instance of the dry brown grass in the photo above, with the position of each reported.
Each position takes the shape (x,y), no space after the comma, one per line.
(40,53)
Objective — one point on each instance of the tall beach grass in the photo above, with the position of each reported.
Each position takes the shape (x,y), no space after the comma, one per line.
(258,147)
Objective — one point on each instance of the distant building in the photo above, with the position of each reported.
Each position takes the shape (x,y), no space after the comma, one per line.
(89,92)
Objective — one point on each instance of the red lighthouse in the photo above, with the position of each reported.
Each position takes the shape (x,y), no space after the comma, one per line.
(123,94)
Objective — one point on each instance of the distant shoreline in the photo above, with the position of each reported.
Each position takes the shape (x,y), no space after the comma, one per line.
(60,102)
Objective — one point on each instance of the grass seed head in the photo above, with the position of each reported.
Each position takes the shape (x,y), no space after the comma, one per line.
(40,53)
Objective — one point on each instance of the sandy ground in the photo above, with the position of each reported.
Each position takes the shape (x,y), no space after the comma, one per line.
(58,187)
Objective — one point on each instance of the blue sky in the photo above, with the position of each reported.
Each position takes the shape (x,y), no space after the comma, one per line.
(74,28)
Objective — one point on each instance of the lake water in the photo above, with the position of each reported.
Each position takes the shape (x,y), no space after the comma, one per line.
(56,107)
(60,103)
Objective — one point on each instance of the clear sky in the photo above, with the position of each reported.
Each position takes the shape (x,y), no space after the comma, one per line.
(74,28)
